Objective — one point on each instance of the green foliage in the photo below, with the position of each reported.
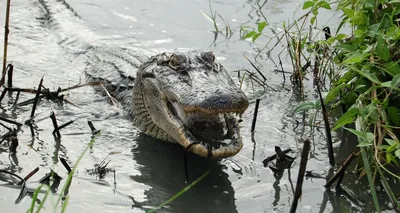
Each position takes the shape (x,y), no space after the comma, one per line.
(365,77)
(253,34)
(63,193)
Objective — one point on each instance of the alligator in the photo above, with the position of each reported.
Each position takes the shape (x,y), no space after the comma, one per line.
(180,97)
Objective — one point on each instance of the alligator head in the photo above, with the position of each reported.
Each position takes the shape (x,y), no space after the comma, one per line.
(189,98)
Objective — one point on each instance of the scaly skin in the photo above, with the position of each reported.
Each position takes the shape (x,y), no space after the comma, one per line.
(182,98)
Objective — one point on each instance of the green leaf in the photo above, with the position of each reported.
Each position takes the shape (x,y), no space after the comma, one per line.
(346,47)
(315,12)
(261,26)
(334,93)
(255,37)
(389,157)
(305,106)
(308,4)
(368,49)
(348,12)
(349,98)
(393,114)
(312,20)
(369,4)
(359,19)
(362,136)
(370,76)
(395,81)
(397,153)
(386,22)
(390,141)
(391,148)
(347,118)
(393,68)
(325,5)
(382,49)
(387,84)
(341,36)
(354,57)
(249,34)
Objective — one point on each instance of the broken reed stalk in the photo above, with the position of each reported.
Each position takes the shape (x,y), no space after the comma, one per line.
(300,177)
(36,97)
(16,99)
(258,70)
(273,157)
(6,32)
(283,72)
(3,94)
(115,179)
(63,126)
(10,121)
(67,167)
(92,128)
(253,123)
(28,176)
(10,69)
(54,120)
(14,142)
(327,128)
(340,171)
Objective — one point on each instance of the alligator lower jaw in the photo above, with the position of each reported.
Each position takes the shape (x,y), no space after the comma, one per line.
(224,124)
(218,149)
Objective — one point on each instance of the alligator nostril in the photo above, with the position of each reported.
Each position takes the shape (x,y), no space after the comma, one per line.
(223,100)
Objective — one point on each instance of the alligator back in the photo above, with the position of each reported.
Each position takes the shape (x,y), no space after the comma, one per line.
(115,69)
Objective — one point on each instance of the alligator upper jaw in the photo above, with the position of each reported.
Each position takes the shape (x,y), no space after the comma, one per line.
(208,134)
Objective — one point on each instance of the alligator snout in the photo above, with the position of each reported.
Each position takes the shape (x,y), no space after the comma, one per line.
(235,102)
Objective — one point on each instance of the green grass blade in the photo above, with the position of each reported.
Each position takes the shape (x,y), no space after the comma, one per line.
(44,200)
(180,192)
(370,179)
(35,195)
(68,181)
(387,188)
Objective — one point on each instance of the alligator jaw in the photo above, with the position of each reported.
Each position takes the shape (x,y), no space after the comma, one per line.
(205,148)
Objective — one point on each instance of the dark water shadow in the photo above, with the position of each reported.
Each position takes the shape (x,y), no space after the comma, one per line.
(161,166)
(360,199)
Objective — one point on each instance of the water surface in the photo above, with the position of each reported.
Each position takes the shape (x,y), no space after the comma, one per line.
(52,44)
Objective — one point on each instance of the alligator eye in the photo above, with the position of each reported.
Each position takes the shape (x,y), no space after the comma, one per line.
(208,56)
(174,62)
(217,66)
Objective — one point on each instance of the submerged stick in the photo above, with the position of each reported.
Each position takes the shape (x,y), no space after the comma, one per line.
(10,121)
(16,99)
(54,120)
(340,171)
(14,142)
(63,126)
(36,97)
(6,32)
(253,123)
(92,128)
(3,94)
(258,70)
(10,69)
(327,129)
(28,176)
(273,157)
(67,167)
(300,177)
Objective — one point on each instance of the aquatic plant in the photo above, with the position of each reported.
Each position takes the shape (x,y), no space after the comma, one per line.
(361,72)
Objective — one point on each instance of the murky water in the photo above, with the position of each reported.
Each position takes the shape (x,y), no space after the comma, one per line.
(52,43)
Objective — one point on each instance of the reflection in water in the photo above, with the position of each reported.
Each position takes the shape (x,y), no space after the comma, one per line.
(161,167)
